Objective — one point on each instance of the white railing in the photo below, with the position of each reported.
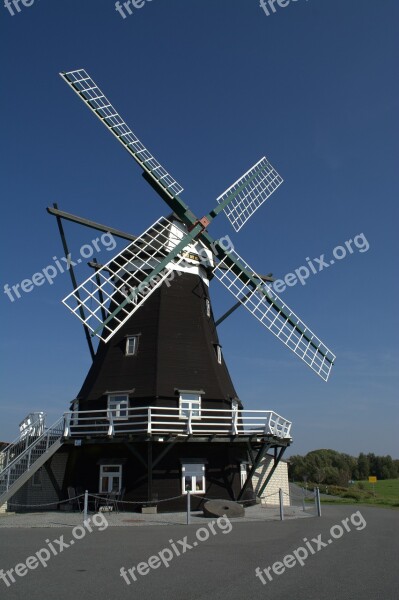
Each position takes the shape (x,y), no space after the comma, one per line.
(19,458)
(31,428)
(160,420)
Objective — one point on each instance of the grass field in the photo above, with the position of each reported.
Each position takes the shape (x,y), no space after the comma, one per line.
(383,493)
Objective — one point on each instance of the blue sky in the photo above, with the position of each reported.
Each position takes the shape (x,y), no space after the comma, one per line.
(210,87)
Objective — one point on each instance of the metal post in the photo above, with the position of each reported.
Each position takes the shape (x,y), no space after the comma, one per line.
(86,503)
(188,507)
(149,470)
(281,497)
(303,500)
(318,505)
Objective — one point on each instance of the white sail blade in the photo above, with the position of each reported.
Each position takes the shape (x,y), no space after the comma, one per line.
(94,98)
(114,292)
(249,192)
(261,301)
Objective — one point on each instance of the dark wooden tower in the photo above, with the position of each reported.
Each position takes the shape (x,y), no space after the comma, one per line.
(174,347)
(167,355)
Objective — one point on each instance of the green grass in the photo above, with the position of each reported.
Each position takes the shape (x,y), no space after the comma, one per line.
(386,493)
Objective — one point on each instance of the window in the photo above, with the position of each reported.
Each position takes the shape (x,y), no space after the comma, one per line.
(234,405)
(189,402)
(37,478)
(208,307)
(110,478)
(218,350)
(118,404)
(193,478)
(132,342)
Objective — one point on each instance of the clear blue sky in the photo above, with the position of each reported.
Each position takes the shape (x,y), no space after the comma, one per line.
(212,86)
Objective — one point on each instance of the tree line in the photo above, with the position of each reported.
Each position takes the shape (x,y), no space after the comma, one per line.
(335,468)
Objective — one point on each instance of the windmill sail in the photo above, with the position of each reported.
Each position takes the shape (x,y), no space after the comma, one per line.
(249,192)
(261,301)
(109,297)
(94,98)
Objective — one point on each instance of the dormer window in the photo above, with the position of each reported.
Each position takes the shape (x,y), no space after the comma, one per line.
(189,403)
(132,342)
(118,405)
(218,350)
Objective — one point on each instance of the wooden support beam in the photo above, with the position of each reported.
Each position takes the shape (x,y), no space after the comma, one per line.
(54,482)
(74,282)
(60,214)
(261,453)
(136,454)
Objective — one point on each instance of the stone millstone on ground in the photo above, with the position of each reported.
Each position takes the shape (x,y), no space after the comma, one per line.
(219,508)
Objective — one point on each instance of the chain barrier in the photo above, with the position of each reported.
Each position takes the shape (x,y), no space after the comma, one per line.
(96,496)
(47,504)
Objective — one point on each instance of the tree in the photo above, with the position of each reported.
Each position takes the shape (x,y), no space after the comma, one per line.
(363,466)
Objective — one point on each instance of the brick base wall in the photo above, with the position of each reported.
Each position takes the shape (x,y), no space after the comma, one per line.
(279,480)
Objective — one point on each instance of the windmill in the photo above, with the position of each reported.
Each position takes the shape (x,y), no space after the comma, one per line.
(108,298)
(158,414)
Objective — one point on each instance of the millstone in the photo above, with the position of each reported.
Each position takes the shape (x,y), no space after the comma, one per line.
(219,508)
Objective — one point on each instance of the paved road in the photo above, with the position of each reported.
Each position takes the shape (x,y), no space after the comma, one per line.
(360,565)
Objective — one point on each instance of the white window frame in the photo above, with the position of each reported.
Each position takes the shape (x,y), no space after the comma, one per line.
(208,307)
(194,480)
(191,401)
(130,338)
(111,475)
(234,405)
(218,350)
(117,403)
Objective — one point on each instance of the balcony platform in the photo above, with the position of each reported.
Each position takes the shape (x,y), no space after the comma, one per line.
(155,422)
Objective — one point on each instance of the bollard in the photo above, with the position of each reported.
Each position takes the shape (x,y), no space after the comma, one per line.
(86,503)
(188,507)
(317,501)
(281,497)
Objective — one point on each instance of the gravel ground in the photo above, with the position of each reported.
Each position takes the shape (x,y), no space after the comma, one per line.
(129,519)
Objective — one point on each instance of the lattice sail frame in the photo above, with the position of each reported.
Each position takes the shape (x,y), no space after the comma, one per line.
(119,281)
(264,304)
(94,98)
(250,192)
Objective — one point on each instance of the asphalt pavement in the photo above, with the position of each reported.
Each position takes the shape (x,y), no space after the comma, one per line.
(350,553)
